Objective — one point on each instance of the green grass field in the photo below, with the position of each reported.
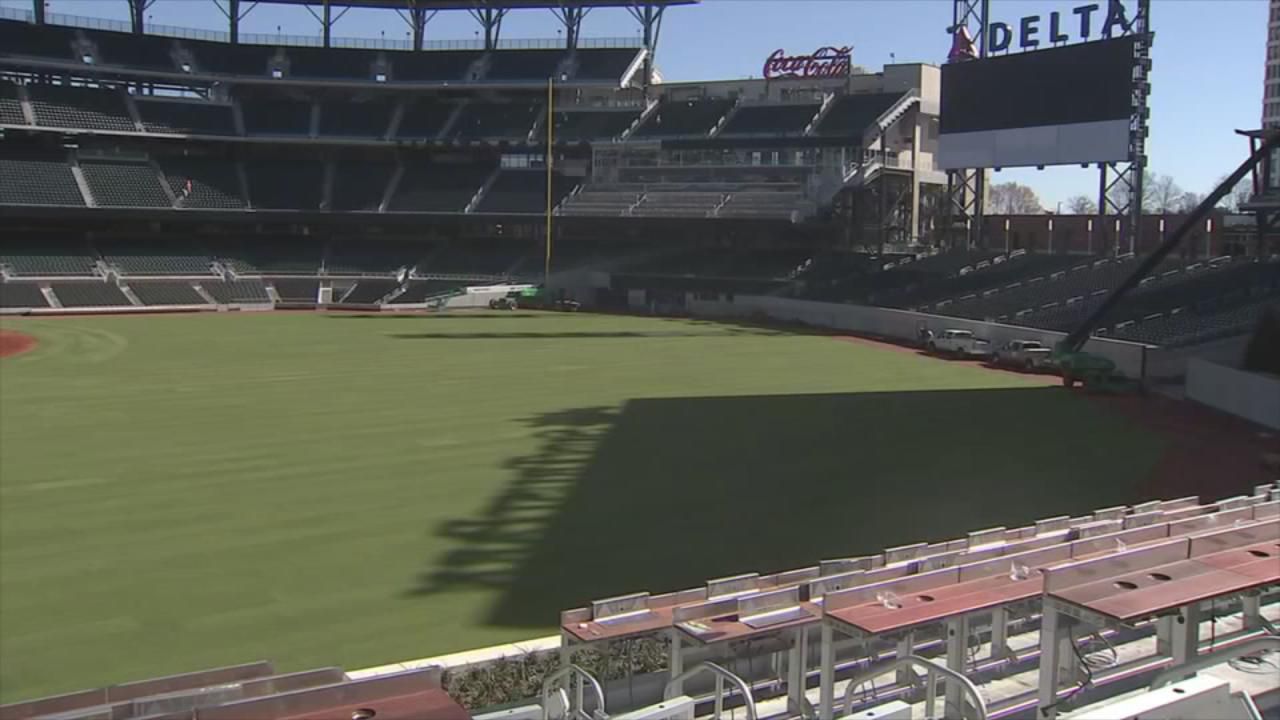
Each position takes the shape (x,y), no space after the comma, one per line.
(187,491)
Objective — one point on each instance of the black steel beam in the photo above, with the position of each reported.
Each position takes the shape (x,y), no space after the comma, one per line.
(1081,334)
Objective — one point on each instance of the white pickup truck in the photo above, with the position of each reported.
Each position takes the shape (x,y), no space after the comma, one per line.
(960,343)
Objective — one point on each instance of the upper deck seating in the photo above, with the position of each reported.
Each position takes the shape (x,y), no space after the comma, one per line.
(484,120)
(276,117)
(201,181)
(592,125)
(359,184)
(185,117)
(221,58)
(851,115)
(434,65)
(123,182)
(148,52)
(523,191)
(285,183)
(524,64)
(10,105)
(424,119)
(36,176)
(438,187)
(356,119)
(79,107)
(675,118)
(766,120)
(330,64)
(46,42)
(603,63)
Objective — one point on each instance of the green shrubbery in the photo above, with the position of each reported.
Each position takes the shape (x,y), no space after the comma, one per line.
(511,680)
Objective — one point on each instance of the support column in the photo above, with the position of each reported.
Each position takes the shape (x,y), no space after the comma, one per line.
(418,19)
(327,24)
(1051,628)
(1251,607)
(233,21)
(795,672)
(957,644)
(137,16)
(827,674)
(999,633)
(905,677)
(676,660)
(566,652)
(1186,635)
(37,9)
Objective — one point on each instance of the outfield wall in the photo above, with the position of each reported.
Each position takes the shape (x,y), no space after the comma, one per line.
(1252,396)
(903,325)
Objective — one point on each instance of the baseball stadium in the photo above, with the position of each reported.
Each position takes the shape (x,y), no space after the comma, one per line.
(505,379)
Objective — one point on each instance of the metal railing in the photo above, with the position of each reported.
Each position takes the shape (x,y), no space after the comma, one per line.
(721,674)
(1249,647)
(579,679)
(931,669)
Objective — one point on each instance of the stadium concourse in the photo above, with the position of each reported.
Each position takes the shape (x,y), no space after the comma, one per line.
(151,183)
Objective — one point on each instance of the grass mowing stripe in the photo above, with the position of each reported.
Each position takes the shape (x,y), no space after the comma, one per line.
(209,489)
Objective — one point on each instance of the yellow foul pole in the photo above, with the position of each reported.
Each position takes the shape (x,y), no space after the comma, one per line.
(546,267)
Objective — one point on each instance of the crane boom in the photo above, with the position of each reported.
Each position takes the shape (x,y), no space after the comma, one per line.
(1077,338)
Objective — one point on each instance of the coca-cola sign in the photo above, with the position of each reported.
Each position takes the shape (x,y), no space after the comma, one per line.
(824,62)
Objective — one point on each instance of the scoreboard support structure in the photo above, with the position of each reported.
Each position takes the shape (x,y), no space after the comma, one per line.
(966,189)
(1120,185)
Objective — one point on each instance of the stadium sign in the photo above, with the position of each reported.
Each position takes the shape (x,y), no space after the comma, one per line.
(825,62)
(1060,29)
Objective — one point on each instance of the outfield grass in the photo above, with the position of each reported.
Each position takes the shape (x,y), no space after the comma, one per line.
(179,492)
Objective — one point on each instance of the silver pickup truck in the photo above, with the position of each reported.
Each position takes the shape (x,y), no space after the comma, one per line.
(1025,354)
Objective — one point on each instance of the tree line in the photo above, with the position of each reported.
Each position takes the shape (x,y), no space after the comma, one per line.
(1160,194)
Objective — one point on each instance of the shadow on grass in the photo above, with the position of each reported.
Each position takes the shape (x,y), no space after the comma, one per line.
(436,316)
(662,494)
(580,335)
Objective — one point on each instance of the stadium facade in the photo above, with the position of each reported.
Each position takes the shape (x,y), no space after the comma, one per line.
(145,170)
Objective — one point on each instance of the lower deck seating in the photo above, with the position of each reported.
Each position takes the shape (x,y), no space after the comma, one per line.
(21,295)
(166,292)
(124,183)
(419,290)
(297,290)
(370,291)
(155,259)
(49,258)
(231,292)
(89,294)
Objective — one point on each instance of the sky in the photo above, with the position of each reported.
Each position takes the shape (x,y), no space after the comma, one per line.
(1208,59)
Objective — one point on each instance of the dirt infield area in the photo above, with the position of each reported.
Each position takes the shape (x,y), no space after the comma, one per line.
(15,343)
(1210,454)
